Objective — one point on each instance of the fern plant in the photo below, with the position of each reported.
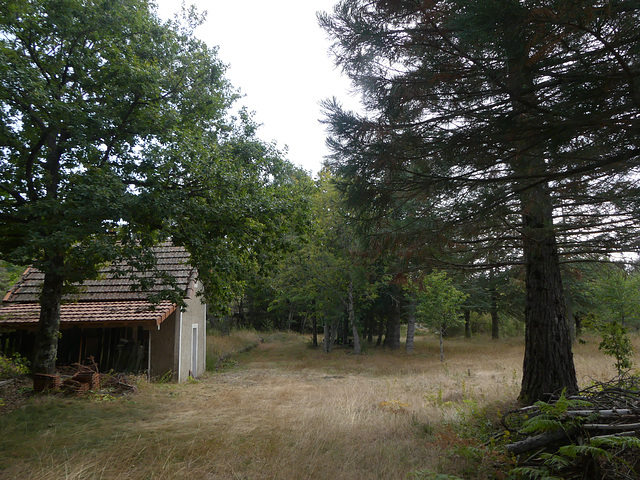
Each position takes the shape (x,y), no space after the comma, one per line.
(553,416)
(592,453)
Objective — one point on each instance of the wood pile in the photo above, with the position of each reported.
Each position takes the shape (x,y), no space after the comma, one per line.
(43,382)
(594,434)
(80,379)
(118,384)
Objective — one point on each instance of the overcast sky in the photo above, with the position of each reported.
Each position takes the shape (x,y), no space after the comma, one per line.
(278,58)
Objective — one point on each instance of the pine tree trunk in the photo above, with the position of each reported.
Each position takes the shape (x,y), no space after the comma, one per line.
(411,329)
(467,323)
(49,323)
(370,319)
(392,338)
(380,331)
(326,339)
(335,326)
(357,349)
(571,322)
(495,325)
(290,318)
(548,362)
(315,330)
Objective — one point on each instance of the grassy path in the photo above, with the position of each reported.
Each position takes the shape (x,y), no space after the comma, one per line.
(280,411)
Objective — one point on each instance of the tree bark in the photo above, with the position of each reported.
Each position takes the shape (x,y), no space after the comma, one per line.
(370,323)
(380,330)
(326,340)
(495,325)
(49,322)
(467,323)
(352,321)
(533,443)
(290,317)
(335,325)
(548,361)
(315,330)
(571,319)
(411,329)
(392,337)
(330,334)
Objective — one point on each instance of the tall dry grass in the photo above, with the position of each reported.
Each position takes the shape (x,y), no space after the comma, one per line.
(285,411)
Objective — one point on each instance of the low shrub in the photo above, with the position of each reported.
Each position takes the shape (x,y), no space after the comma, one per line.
(13,366)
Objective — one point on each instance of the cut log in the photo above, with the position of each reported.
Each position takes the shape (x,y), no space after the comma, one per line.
(619,427)
(612,413)
(539,441)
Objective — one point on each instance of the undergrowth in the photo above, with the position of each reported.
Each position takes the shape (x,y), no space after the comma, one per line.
(13,366)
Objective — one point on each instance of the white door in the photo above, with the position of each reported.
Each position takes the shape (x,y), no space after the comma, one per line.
(194,351)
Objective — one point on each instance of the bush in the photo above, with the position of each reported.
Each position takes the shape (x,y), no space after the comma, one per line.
(13,366)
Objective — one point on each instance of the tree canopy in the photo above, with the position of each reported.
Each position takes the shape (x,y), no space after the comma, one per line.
(116,133)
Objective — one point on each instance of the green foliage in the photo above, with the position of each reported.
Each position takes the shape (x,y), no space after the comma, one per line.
(552,416)
(532,473)
(612,442)
(165,378)
(9,275)
(614,292)
(565,457)
(12,366)
(608,303)
(327,269)
(439,301)
(457,157)
(116,135)
(602,450)
(617,344)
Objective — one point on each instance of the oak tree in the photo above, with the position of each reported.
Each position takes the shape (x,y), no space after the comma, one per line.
(114,134)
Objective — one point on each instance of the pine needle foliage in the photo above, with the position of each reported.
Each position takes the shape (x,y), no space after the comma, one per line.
(494,132)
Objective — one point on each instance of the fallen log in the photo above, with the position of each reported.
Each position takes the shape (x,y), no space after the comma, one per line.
(610,413)
(542,440)
(7,382)
(621,427)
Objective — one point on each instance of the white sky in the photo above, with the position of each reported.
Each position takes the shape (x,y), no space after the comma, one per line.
(278,59)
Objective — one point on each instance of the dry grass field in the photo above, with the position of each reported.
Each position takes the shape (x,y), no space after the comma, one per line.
(285,411)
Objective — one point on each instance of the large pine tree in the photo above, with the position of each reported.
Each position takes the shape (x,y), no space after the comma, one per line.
(492,126)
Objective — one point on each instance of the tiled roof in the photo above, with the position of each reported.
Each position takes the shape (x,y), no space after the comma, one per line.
(96,313)
(110,298)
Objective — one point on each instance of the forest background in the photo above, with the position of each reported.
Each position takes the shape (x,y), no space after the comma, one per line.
(523,221)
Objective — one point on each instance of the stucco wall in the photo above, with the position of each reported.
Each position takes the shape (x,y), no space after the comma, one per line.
(172,346)
(162,347)
(192,318)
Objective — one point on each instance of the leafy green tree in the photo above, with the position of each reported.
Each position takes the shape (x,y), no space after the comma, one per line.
(115,133)
(602,291)
(610,303)
(615,293)
(616,343)
(502,123)
(439,304)
(9,275)
(327,277)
